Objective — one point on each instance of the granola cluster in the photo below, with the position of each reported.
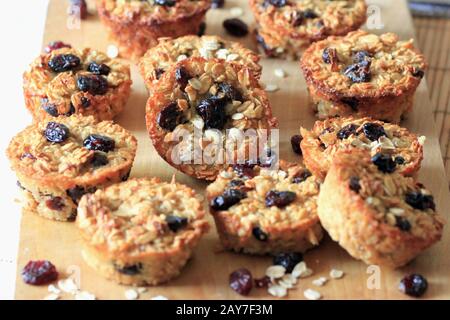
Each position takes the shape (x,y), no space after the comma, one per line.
(67,81)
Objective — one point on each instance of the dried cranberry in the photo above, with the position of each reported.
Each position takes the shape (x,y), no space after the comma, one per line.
(158,73)
(201,29)
(414,285)
(79,8)
(77,192)
(420,201)
(64,62)
(236,27)
(215,4)
(39,272)
(329,55)
(288,260)
(182,77)
(262,282)
(359,72)
(373,131)
(99,69)
(165,3)
(244,170)
(94,84)
(384,163)
(277,3)
(175,223)
(228,199)
(213,113)
(295,143)
(279,198)
(354,184)
(56,132)
(50,108)
(170,117)
(130,270)
(55,203)
(361,56)
(99,160)
(55,45)
(241,281)
(298,18)
(98,142)
(402,223)
(418,73)
(229,92)
(347,131)
(302,176)
(259,234)
(399,160)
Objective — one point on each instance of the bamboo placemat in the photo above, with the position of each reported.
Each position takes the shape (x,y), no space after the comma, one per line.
(434,40)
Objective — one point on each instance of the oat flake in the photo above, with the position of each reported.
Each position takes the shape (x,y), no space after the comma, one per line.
(336,274)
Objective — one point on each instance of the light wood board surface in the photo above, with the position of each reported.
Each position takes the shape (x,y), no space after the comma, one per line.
(206,276)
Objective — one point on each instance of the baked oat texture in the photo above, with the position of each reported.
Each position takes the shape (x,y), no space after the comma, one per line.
(251,226)
(140,232)
(54,176)
(363,75)
(329,136)
(137,25)
(382,219)
(190,118)
(49,94)
(170,51)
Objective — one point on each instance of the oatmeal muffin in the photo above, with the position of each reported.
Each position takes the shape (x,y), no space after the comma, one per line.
(260,211)
(137,24)
(287,28)
(331,135)
(140,232)
(67,81)
(169,51)
(199,107)
(58,161)
(362,75)
(377,215)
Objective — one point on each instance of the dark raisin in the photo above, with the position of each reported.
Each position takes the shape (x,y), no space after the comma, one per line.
(270,52)
(298,18)
(241,281)
(402,223)
(94,84)
(302,176)
(175,223)
(99,160)
(158,73)
(55,45)
(414,285)
(165,3)
(399,160)
(56,132)
(418,73)
(64,62)
(361,56)
(236,27)
(76,193)
(359,72)
(384,162)
(130,270)
(236,183)
(50,108)
(277,3)
(99,69)
(79,8)
(213,113)
(354,184)
(329,55)
(262,282)
(27,155)
(373,131)
(55,203)
(126,176)
(309,14)
(201,29)
(20,185)
(85,102)
(98,142)
(353,103)
(182,77)
(244,170)
(215,4)
(259,234)
(288,260)
(39,272)
(230,92)
(228,199)
(279,198)
(71,110)
(170,117)
(347,131)
(420,201)
(295,143)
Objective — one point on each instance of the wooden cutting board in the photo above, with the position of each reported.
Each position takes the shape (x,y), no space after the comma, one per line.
(206,276)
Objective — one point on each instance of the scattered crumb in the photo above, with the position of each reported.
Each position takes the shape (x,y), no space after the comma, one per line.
(312,294)
(159,298)
(272,88)
(52,296)
(280,73)
(131,294)
(84,295)
(53,289)
(277,291)
(112,51)
(68,285)
(319,282)
(336,274)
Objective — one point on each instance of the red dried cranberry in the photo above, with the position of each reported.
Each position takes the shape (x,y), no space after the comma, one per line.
(346,131)
(279,198)
(98,142)
(55,45)
(288,260)
(175,223)
(182,77)
(215,4)
(78,8)
(354,184)
(170,117)
(39,272)
(420,201)
(56,132)
(302,176)
(414,285)
(99,160)
(55,203)
(262,282)
(165,3)
(228,199)
(295,143)
(241,281)
(236,27)
(99,69)
(329,55)
(384,163)
(259,234)
(64,62)
(94,84)
(213,113)
(373,131)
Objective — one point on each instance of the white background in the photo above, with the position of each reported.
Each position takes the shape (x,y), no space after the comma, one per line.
(21,28)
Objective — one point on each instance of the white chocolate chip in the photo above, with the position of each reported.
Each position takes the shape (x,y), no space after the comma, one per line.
(312,294)
(131,294)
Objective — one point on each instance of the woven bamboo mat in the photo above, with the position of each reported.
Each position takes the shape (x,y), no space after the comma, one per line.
(434,40)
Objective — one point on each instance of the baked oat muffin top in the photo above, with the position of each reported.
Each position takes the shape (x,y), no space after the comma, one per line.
(363,65)
(399,203)
(71,149)
(154,11)
(141,216)
(312,19)
(332,135)
(169,51)
(266,198)
(71,81)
